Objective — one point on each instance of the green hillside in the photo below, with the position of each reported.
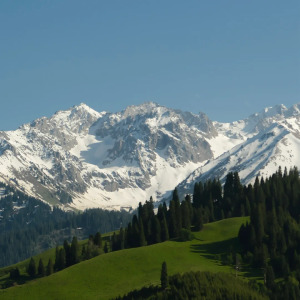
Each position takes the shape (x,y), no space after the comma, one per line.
(119,272)
(45,256)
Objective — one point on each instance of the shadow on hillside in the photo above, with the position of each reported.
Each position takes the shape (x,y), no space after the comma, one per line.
(223,248)
(217,248)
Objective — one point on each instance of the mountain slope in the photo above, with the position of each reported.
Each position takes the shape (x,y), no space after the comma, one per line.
(116,273)
(260,155)
(80,158)
(105,159)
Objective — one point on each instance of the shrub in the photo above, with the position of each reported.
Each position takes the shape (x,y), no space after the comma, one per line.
(185,235)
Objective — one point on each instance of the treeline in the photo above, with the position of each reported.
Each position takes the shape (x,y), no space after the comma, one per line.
(65,256)
(210,203)
(198,285)
(271,240)
(149,228)
(25,220)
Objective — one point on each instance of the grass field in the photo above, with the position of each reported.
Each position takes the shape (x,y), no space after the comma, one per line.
(119,272)
(45,256)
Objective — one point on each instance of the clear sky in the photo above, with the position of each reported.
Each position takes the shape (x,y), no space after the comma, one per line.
(223,57)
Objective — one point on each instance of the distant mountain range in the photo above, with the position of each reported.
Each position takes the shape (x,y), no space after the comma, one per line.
(80,158)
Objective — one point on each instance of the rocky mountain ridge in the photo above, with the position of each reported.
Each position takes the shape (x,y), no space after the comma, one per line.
(80,158)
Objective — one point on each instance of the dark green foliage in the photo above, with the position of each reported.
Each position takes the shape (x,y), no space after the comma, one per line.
(164,280)
(31,270)
(61,262)
(22,234)
(270,278)
(273,236)
(98,239)
(185,235)
(41,269)
(172,220)
(198,219)
(105,248)
(74,255)
(50,268)
(14,273)
(164,230)
(202,286)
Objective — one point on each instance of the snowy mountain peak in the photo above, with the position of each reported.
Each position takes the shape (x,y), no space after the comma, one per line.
(269,112)
(119,159)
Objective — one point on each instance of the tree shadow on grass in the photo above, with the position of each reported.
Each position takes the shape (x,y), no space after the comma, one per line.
(223,248)
(209,250)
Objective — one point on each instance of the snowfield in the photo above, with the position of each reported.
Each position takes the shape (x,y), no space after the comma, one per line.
(116,160)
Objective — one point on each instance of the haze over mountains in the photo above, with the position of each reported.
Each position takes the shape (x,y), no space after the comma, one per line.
(116,160)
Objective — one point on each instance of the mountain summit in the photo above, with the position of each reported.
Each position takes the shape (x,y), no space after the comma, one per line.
(81,158)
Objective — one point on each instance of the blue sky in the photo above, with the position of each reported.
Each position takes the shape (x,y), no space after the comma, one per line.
(226,58)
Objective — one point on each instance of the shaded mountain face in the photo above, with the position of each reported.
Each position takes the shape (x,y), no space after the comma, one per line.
(105,159)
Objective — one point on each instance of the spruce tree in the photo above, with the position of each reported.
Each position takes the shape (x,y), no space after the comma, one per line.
(105,248)
(61,259)
(172,220)
(156,231)
(41,268)
(121,239)
(31,270)
(83,251)
(49,270)
(164,230)
(142,240)
(164,280)
(198,219)
(74,259)
(186,219)
(177,212)
(98,240)
(56,258)
(68,253)
(270,278)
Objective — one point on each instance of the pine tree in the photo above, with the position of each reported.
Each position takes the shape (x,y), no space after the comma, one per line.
(270,278)
(164,230)
(41,269)
(142,240)
(56,258)
(198,219)
(164,280)
(121,239)
(172,220)
(83,252)
(156,231)
(31,268)
(177,212)
(105,248)
(186,220)
(49,267)
(61,259)
(74,258)
(98,240)
(68,253)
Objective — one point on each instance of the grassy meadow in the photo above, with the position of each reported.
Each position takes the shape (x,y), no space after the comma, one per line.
(117,273)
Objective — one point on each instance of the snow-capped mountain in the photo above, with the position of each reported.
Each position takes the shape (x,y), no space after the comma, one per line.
(106,159)
(272,139)
(81,158)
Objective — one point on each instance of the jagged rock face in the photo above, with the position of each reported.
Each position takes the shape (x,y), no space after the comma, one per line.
(277,143)
(115,160)
(87,154)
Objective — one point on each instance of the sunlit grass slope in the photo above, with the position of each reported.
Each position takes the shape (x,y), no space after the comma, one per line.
(116,273)
(45,256)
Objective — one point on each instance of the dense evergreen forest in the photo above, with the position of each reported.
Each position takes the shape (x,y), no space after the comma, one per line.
(198,285)
(271,241)
(26,225)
